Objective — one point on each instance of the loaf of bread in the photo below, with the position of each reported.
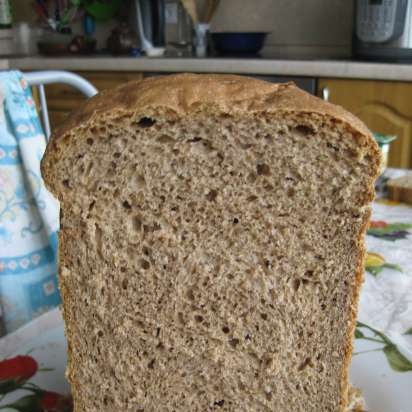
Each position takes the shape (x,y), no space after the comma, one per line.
(211,245)
(400,189)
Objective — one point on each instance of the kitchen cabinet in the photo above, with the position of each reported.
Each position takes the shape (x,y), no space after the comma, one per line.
(384,106)
(62,99)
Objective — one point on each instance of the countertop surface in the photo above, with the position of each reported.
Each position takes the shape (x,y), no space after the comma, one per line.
(260,66)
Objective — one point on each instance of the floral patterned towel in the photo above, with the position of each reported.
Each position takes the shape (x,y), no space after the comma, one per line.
(29,215)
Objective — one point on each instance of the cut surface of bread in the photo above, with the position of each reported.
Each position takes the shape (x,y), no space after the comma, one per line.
(211,245)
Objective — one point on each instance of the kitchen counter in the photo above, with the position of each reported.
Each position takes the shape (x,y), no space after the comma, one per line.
(312,68)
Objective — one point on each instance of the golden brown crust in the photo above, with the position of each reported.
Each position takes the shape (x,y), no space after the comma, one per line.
(233,95)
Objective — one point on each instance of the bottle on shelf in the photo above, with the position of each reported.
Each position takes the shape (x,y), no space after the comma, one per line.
(5,15)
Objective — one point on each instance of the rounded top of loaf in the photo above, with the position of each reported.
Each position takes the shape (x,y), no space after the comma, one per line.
(185,94)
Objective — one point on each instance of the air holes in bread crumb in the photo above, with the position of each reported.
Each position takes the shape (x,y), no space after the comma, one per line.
(268,362)
(246,146)
(190,295)
(198,318)
(263,169)
(295,284)
(138,181)
(126,205)
(211,196)
(89,141)
(66,183)
(150,365)
(331,146)
(194,140)
(252,177)
(144,264)
(268,187)
(100,333)
(219,403)
(116,155)
(125,284)
(146,122)
(234,342)
(136,223)
(165,139)
(264,316)
(307,362)
(235,221)
(89,168)
(225,329)
(305,130)
(98,236)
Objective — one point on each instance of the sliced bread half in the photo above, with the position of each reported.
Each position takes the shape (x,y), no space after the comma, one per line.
(211,245)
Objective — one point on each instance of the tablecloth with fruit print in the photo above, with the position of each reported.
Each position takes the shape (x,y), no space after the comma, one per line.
(32,359)
(385,312)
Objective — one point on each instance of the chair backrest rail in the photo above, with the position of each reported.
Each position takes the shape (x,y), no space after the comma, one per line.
(41,78)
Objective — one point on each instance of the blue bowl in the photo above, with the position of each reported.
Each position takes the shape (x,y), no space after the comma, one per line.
(230,43)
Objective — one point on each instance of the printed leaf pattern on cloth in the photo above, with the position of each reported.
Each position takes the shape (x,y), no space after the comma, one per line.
(375,263)
(397,361)
(389,231)
(15,374)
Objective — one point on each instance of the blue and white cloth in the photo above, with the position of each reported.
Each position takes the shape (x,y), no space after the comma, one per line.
(29,215)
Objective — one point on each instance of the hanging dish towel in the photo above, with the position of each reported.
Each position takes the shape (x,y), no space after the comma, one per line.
(29,215)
